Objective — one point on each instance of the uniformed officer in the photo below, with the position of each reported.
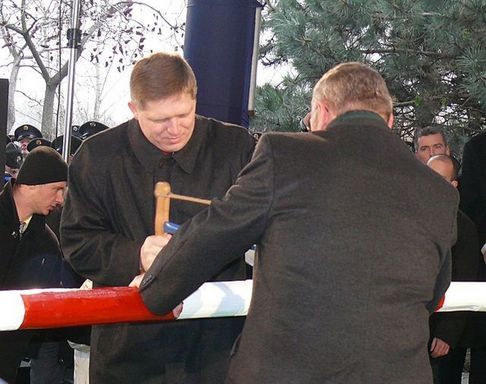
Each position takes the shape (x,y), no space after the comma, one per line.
(58,144)
(34,143)
(90,128)
(24,134)
(13,161)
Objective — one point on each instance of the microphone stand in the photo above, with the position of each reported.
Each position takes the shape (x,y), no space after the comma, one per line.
(74,38)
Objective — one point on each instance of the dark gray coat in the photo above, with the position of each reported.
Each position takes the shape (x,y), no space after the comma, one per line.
(109,211)
(354,239)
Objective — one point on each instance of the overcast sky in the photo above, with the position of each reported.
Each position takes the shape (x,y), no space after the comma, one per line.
(115,104)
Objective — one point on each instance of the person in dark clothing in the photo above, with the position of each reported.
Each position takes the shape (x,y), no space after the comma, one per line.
(472,188)
(430,141)
(24,135)
(13,161)
(109,216)
(30,257)
(353,246)
(447,330)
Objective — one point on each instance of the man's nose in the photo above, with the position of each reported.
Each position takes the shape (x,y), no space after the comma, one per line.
(173,126)
(60,197)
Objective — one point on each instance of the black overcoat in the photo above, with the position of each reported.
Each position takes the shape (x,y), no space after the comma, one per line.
(451,326)
(472,188)
(109,211)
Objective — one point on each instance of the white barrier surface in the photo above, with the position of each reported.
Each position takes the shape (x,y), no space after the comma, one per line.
(218,299)
(465,296)
(12,310)
(215,299)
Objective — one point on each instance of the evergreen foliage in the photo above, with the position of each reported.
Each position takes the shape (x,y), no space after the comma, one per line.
(432,54)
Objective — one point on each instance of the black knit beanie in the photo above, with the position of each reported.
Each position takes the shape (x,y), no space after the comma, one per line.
(43,165)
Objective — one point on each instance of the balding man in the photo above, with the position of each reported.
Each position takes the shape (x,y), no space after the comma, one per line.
(447,344)
(353,254)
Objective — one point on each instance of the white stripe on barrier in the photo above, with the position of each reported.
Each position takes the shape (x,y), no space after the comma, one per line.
(465,296)
(12,310)
(218,299)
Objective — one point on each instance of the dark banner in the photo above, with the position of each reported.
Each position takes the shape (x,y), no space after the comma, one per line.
(3,122)
(218,45)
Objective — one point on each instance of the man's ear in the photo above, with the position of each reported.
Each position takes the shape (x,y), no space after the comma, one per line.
(133,108)
(324,116)
(454,183)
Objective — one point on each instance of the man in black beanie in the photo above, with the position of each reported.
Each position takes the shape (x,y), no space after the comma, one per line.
(31,256)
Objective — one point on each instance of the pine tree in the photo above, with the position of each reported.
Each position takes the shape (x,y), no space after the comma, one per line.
(432,54)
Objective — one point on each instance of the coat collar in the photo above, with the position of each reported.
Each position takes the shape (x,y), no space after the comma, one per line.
(150,156)
(359,114)
(8,210)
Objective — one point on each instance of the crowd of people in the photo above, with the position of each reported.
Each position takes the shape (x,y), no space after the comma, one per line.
(357,240)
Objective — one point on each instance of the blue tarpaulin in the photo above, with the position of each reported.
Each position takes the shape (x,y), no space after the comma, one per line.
(218,45)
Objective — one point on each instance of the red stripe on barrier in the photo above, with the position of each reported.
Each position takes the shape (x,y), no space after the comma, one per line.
(441,303)
(84,307)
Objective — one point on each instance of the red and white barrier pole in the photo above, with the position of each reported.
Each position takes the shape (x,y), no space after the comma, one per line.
(53,308)
(464,296)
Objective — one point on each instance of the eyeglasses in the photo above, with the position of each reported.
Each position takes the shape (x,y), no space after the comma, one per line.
(304,123)
(302,126)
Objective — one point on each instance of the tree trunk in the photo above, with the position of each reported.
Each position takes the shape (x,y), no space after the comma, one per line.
(11,93)
(48,128)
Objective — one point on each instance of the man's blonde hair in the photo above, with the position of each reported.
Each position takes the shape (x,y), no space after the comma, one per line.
(354,86)
(161,75)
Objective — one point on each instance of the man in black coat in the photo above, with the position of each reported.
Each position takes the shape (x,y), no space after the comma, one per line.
(109,216)
(447,330)
(30,255)
(472,188)
(353,246)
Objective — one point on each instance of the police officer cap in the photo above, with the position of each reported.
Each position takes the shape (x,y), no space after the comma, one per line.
(13,156)
(42,166)
(34,143)
(90,128)
(75,131)
(27,131)
(57,144)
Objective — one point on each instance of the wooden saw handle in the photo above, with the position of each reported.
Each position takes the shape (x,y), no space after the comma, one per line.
(162,206)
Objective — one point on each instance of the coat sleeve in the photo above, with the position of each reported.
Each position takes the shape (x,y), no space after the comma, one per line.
(443,279)
(465,262)
(91,246)
(211,239)
(472,185)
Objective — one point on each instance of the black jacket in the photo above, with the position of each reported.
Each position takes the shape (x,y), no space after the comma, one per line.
(109,211)
(450,326)
(29,260)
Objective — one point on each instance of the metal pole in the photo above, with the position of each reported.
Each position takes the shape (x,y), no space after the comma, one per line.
(254,60)
(74,38)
